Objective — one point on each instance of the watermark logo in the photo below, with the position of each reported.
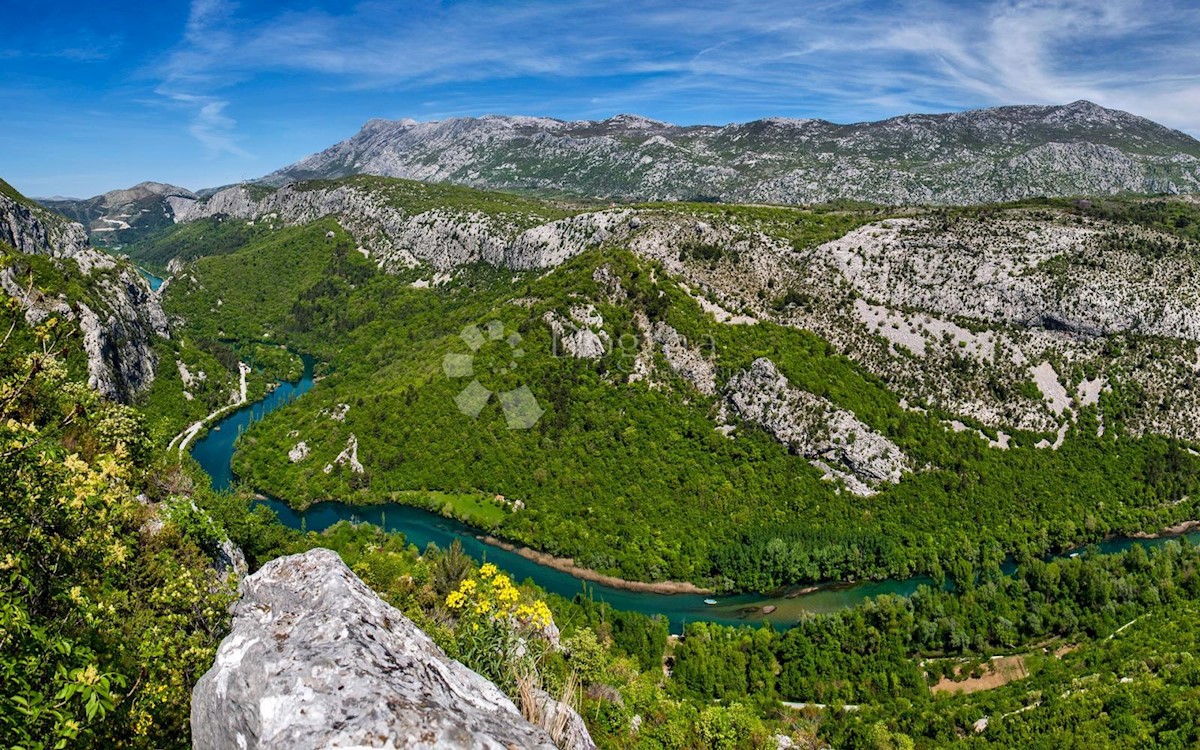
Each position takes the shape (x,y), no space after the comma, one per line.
(493,357)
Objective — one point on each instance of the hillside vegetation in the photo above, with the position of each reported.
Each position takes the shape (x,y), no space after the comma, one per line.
(626,470)
(716,401)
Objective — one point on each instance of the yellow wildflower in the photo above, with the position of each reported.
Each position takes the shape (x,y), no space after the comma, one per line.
(118,552)
(508,595)
(488,570)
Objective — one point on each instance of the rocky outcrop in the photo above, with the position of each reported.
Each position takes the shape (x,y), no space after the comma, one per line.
(832,438)
(397,237)
(35,231)
(564,724)
(230,560)
(119,335)
(686,361)
(298,453)
(315,659)
(349,456)
(582,336)
(118,315)
(966,157)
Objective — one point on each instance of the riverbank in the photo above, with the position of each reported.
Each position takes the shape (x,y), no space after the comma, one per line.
(567,565)
(186,437)
(1179,529)
(468,508)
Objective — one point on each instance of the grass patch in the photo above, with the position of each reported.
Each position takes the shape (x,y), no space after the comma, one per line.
(477,509)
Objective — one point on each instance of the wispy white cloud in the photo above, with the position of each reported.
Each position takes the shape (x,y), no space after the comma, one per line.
(840,59)
(210,125)
(193,76)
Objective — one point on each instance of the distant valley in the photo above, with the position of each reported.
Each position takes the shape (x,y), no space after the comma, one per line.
(956,353)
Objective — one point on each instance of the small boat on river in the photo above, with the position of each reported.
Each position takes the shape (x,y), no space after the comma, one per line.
(710,602)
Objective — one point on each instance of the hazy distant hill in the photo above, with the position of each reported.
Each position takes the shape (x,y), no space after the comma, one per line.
(120,217)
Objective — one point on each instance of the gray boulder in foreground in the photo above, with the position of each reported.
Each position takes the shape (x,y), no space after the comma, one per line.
(315,659)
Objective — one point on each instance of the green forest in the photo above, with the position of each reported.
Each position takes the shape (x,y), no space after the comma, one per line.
(115,582)
(630,480)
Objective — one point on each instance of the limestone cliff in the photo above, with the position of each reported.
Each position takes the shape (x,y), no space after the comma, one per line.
(396,235)
(117,314)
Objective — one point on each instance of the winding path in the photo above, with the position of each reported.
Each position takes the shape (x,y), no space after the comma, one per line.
(186,437)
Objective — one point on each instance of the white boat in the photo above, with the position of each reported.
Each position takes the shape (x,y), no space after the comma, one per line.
(710,602)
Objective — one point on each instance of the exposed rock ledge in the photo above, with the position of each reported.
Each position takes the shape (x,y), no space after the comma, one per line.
(316,660)
(833,439)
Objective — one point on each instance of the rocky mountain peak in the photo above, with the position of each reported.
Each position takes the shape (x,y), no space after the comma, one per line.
(637,122)
(154,188)
(376,124)
(978,156)
(120,217)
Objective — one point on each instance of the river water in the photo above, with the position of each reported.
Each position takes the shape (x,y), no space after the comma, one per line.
(215,451)
(154,281)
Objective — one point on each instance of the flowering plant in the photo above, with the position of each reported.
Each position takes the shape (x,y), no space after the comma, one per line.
(491,618)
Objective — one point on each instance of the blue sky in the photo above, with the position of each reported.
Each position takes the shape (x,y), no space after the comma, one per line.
(203,93)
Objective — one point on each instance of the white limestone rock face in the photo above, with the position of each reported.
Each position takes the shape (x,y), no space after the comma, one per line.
(832,438)
(349,456)
(298,453)
(316,659)
(1083,279)
(442,238)
(966,314)
(577,340)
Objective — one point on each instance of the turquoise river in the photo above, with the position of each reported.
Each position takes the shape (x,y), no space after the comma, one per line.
(214,452)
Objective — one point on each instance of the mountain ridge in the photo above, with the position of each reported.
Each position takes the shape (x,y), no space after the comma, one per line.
(976,156)
(119,217)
